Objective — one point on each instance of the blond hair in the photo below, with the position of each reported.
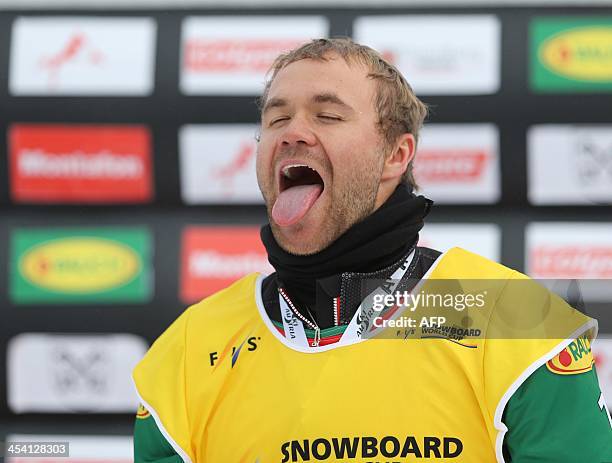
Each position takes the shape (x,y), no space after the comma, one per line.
(399,110)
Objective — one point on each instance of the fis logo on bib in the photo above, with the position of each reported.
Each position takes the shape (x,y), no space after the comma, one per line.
(250,343)
(367,449)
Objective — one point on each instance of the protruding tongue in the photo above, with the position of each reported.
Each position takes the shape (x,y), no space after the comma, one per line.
(293,203)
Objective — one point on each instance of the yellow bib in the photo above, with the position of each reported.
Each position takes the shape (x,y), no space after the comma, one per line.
(225,386)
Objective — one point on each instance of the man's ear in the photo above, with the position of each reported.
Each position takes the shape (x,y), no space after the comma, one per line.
(402,154)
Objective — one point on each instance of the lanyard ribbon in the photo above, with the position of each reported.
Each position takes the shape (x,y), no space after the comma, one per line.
(360,323)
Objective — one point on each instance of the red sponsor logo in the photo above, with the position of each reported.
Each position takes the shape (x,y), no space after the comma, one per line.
(202,55)
(227,175)
(80,164)
(78,48)
(580,261)
(239,162)
(212,258)
(450,165)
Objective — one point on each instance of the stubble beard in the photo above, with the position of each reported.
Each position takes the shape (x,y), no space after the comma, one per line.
(352,204)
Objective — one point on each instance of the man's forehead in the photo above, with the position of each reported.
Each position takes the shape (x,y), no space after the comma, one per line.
(310,77)
(329,64)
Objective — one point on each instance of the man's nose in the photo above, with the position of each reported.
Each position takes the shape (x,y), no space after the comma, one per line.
(298,131)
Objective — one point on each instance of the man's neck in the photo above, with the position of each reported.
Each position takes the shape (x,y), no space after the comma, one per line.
(369,249)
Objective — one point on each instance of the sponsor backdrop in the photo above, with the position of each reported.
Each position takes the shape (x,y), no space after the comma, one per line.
(127,184)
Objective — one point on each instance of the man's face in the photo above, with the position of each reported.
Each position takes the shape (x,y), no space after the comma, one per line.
(320,156)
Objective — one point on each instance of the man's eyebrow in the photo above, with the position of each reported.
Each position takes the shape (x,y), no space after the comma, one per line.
(274,103)
(331,98)
(277,102)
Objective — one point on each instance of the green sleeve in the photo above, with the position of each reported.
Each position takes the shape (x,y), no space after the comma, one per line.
(558,419)
(150,445)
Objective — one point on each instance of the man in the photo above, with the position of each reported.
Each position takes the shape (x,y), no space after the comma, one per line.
(282,368)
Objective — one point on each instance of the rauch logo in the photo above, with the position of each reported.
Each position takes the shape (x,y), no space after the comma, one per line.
(576,358)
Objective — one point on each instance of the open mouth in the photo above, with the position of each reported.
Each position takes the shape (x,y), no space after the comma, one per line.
(299,188)
(298,175)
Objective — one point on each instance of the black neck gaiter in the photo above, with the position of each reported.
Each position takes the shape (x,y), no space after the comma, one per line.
(378,241)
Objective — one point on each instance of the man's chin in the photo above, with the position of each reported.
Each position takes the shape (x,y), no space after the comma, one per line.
(299,239)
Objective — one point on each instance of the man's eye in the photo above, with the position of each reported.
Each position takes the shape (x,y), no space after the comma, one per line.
(329,117)
(278,119)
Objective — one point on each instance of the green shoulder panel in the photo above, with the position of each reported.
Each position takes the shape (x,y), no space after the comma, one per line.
(557,418)
(150,446)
